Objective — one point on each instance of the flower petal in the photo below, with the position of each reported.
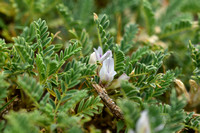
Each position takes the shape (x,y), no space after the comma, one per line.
(100,51)
(110,64)
(103,73)
(97,54)
(106,55)
(112,76)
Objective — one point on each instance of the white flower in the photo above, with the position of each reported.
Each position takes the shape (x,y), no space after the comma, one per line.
(142,125)
(93,58)
(107,71)
(99,54)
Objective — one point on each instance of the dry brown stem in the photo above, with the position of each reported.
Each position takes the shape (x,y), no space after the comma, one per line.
(108,101)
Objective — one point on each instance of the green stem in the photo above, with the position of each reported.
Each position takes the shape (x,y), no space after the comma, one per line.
(175,32)
(57,106)
(99,37)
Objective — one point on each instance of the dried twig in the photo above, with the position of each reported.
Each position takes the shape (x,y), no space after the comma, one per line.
(56,35)
(108,101)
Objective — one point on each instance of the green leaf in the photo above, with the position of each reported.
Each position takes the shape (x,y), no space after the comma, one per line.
(130,111)
(49,50)
(138,54)
(24,50)
(3,87)
(52,67)
(127,40)
(58,95)
(52,103)
(5,105)
(42,34)
(22,122)
(148,16)
(119,58)
(90,106)
(84,41)
(163,82)
(105,39)
(72,75)
(63,86)
(72,78)
(75,98)
(130,91)
(176,27)
(71,50)
(120,125)
(30,86)
(41,67)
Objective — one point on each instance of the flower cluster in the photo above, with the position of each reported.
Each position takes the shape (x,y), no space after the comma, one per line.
(107,71)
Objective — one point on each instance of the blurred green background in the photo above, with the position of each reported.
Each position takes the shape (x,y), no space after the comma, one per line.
(172,25)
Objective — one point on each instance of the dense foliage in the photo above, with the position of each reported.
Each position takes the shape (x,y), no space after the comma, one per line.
(99,66)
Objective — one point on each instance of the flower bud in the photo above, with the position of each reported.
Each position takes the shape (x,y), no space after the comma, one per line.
(123,77)
(92,58)
(117,83)
(95,16)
